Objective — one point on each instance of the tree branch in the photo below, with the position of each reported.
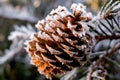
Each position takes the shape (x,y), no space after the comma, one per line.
(112,61)
(102,37)
(10,55)
(101,60)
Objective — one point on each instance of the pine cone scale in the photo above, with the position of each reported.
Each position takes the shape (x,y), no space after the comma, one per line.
(46,57)
(59,66)
(62,60)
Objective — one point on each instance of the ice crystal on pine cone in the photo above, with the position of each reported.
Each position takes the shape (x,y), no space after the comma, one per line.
(62,42)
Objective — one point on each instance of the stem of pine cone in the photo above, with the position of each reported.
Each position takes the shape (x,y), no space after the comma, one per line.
(102,37)
(101,60)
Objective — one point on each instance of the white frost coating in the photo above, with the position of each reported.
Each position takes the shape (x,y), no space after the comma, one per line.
(71,26)
(116,7)
(78,7)
(26,43)
(52,24)
(61,33)
(48,17)
(89,14)
(21,33)
(62,11)
(66,47)
(70,75)
(84,25)
(77,33)
(48,28)
(45,36)
(39,24)
(32,36)
(40,48)
(51,17)
(40,34)
(81,8)
(31,62)
(83,46)
(17,37)
(58,13)
(15,34)
(71,41)
(57,38)
(53,51)
(112,6)
(96,74)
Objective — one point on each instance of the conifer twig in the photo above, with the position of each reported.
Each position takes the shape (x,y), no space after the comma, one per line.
(102,37)
(101,60)
(112,61)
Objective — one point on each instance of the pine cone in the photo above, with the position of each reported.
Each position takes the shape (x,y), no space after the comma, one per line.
(63,41)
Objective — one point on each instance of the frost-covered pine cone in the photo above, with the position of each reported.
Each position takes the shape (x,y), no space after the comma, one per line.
(63,41)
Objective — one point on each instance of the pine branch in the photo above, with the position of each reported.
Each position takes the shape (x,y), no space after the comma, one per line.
(109,9)
(112,51)
(112,61)
(106,23)
(10,54)
(17,37)
(101,60)
(111,37)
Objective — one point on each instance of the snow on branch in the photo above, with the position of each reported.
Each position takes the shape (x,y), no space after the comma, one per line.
(17,37)
(101,60)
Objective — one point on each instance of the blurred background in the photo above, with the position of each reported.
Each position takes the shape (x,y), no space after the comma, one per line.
(22,15)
